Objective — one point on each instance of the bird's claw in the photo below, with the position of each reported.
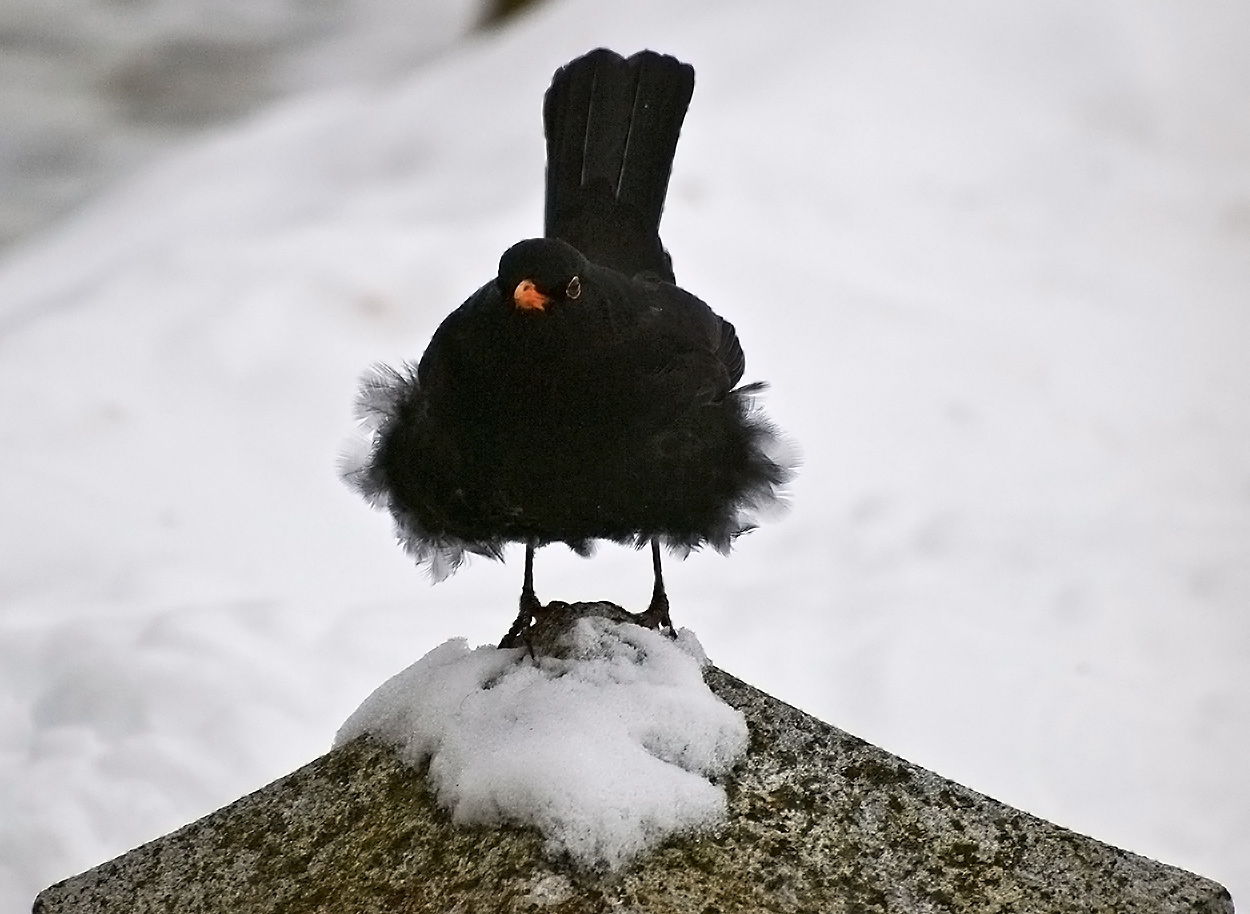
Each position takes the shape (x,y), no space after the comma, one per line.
(529,608)
(656,616)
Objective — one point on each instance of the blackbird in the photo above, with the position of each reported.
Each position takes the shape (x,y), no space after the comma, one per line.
(580,394)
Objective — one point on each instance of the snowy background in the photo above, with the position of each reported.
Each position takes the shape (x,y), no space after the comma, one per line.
(994,260)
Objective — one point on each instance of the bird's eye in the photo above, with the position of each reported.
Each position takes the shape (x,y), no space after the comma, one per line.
(573,289)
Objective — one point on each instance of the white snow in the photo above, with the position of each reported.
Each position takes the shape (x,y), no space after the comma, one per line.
(94,88)
(993,259)
(606,751)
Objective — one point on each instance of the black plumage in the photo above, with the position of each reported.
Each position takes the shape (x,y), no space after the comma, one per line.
(579,395)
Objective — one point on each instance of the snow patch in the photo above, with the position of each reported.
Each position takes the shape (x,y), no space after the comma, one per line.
(607,751)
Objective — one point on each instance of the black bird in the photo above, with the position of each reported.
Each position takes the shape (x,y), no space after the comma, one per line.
(580,395)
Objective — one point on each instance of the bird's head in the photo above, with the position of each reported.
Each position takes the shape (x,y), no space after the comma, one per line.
(539,272)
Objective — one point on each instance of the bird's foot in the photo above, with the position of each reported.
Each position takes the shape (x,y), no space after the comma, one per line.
(530,607)
(656,616)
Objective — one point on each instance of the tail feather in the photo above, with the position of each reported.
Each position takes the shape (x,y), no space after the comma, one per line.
(612,126)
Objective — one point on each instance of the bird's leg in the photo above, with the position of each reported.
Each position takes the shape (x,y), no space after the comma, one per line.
(529,601)
(656,615)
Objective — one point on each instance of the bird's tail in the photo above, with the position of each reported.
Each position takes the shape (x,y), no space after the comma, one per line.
(612,126)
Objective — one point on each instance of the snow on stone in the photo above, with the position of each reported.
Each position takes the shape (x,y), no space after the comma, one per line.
(606,752)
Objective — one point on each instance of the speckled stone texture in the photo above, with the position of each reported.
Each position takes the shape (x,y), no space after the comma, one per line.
(819,821)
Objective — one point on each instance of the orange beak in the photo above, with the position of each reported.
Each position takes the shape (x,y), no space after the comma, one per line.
(528,298)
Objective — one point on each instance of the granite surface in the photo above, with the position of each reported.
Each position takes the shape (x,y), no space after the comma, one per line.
(818,820)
